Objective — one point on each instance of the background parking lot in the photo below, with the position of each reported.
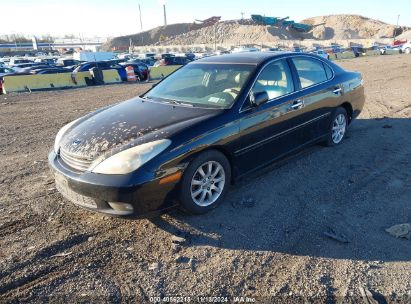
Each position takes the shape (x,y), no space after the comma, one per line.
(311,227)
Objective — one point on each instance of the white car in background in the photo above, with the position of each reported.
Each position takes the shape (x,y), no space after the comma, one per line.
(406,48)
(244,49)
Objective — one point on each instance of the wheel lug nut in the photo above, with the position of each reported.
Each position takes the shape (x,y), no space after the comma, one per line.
(208,188)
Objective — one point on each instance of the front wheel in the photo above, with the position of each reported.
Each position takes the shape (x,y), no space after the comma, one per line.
(205,182)
(338,127)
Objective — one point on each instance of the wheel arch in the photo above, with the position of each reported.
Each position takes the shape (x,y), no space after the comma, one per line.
(223,151)
(348,107)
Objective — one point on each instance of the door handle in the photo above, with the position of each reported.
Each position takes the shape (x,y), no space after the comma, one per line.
(298,104)
(337,90)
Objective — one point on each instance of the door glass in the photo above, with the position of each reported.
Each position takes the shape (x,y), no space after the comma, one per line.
(328,71)
(310,71)
(275,79)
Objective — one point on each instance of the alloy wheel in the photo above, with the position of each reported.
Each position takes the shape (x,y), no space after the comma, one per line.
(207,183)
(339,128)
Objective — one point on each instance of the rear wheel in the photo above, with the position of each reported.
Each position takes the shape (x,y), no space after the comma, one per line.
(338,127)
(205,182)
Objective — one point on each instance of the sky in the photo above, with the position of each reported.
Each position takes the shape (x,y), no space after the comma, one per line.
(109,18)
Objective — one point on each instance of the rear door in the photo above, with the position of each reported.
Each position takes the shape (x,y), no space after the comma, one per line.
(319,93)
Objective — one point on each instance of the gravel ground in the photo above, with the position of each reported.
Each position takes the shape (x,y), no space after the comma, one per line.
(267,241)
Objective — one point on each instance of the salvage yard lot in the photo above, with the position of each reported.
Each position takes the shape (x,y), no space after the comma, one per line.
(268,239)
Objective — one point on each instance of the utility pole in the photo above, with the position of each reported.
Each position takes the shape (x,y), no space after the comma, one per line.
(215,37)
(165,16)
(141,22)
(242,16)
(395,30)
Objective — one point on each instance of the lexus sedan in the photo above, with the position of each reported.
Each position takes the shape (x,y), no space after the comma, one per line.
(184,141)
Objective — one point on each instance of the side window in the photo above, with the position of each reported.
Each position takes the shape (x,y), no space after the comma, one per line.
(328,71)
(275,79)
(310,71)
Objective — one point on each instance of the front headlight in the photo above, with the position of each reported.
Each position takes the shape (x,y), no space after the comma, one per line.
(60,134)
(131,159)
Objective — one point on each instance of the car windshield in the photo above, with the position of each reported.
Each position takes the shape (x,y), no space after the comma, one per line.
(204,85)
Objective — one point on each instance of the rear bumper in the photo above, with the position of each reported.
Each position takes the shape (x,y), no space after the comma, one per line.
(138,194)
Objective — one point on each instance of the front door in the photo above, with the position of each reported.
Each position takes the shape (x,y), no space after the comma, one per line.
(270,130)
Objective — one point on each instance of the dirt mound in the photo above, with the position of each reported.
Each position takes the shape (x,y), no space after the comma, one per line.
(149,37)
(349,27)
(337,27)
(231,32)
(405,35)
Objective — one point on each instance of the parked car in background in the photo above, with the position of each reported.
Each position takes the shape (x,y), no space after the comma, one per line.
(49,61)
(406,48)
(14,61)
(49,70)
(358,51)
(140,69)
(172,61)
(103,65)
(337,49)
(6,71)
(388,49)
(5,61)
(67,62)
(273,49)
(23,67)
(211,122)
(33,67)
(321,53)
(166,55)
(148,61)
(93,56)
(244,49)
(147,55)
(192,56)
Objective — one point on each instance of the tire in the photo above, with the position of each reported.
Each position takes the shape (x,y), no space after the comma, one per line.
(339,124)
(194,184)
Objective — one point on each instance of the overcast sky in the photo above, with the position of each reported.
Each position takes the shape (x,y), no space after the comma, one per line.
(107,18)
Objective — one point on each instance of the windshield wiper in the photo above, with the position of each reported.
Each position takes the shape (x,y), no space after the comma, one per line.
(179,103)
(172,101)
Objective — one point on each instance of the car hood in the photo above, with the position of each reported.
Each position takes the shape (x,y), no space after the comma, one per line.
(128,124)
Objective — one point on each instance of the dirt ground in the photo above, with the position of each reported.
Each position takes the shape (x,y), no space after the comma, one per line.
(270,247)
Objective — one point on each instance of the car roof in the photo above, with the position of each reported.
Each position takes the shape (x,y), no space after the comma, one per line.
(253,58)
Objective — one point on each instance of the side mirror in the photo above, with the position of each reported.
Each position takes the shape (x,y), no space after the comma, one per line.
(259,98)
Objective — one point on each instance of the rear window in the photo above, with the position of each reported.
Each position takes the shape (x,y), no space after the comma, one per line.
(311,71)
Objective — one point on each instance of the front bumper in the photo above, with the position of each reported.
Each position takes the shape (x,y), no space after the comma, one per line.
(138,194)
